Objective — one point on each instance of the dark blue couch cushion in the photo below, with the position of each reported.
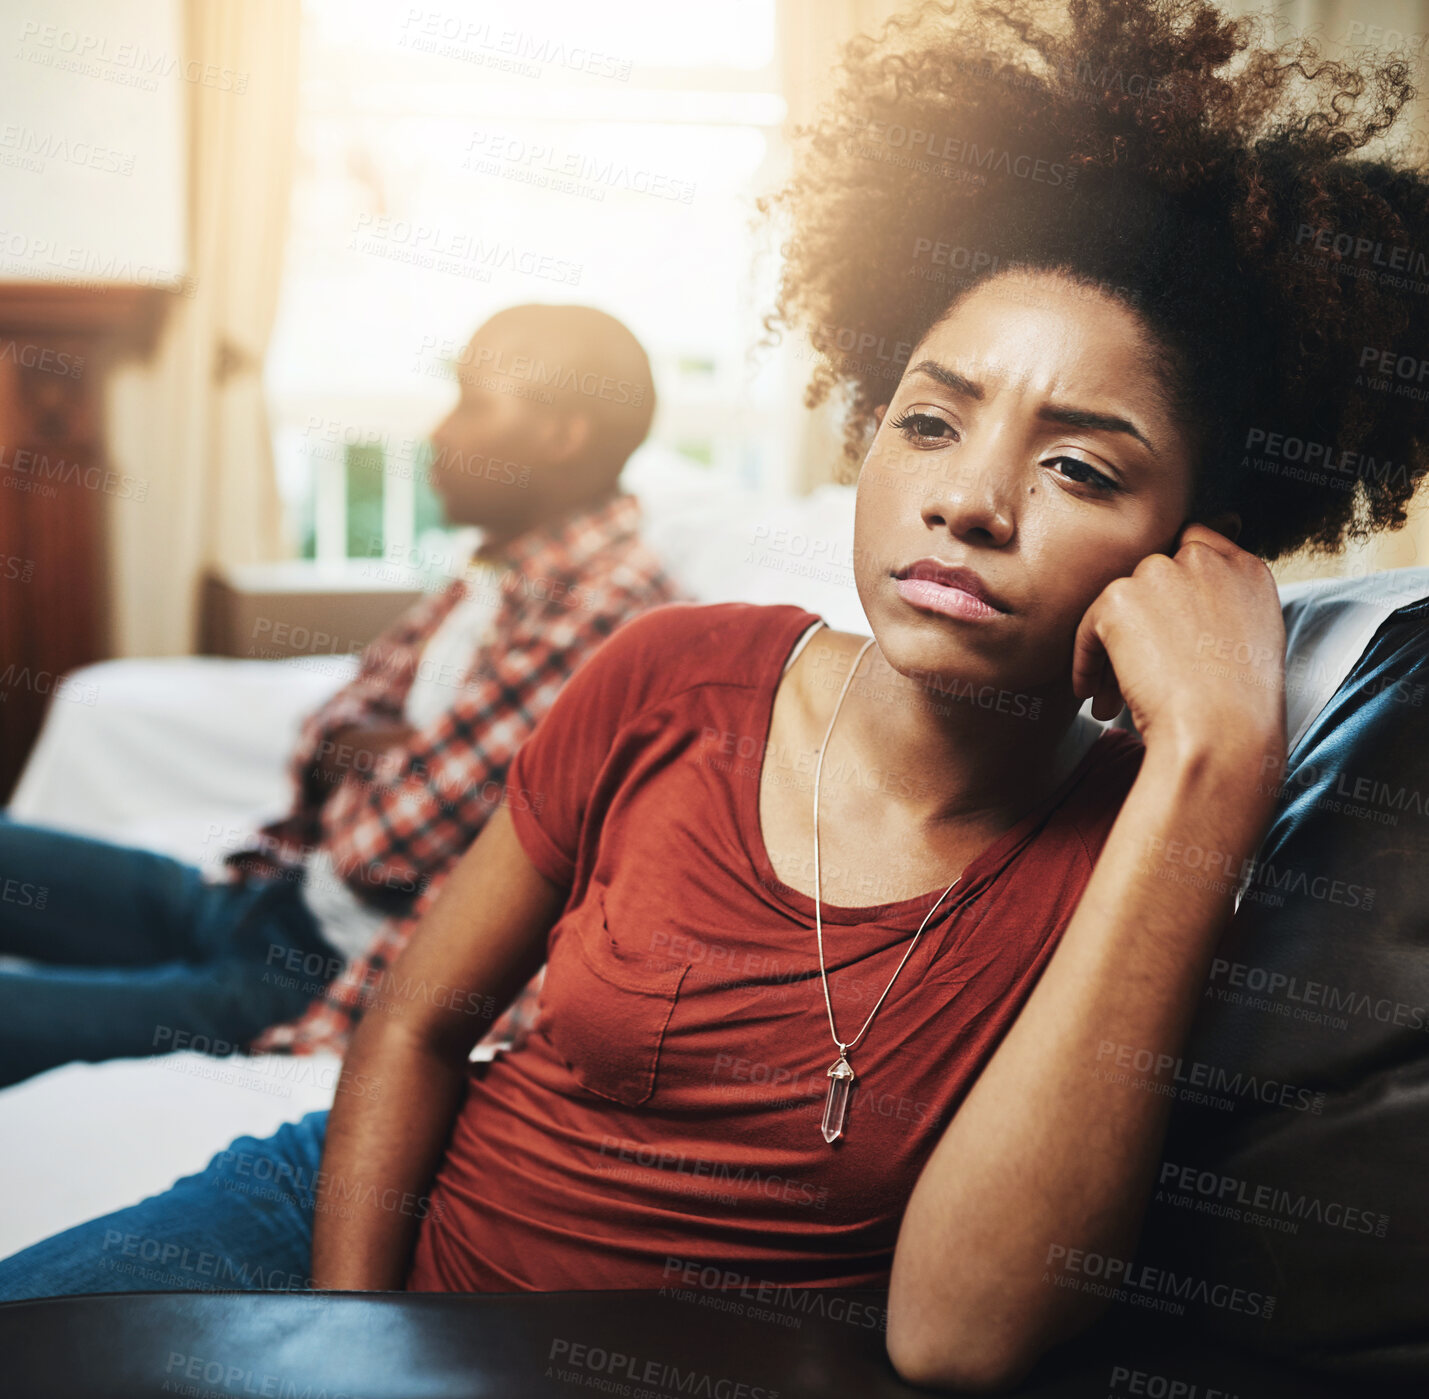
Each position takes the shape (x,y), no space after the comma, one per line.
(1305,1177)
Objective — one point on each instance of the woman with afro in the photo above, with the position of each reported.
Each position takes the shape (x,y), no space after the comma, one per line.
(866,957)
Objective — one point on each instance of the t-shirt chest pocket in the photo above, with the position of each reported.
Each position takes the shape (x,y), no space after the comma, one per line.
(605,1005)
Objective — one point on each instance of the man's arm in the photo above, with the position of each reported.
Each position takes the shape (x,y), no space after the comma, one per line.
(371,701)
(484,935)
(355,749)
(1049,1152)
(431,796)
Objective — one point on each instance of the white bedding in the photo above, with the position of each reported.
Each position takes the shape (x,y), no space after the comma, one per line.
(86,1139)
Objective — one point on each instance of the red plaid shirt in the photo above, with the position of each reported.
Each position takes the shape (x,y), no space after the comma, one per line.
(567,587)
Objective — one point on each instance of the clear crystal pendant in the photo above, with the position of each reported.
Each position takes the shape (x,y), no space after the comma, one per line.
(836,1104)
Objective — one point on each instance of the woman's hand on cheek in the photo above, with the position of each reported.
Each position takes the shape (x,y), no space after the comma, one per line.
(1195,645)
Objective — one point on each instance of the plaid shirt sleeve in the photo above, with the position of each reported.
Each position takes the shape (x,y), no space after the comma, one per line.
(366,984)
(448,784)
(571,586)
(430,798)
(378,691)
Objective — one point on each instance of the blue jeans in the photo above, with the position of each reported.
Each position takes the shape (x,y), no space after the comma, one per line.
(129,953)
(243,1223)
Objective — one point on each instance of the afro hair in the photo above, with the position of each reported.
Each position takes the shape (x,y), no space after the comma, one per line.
(1158,151)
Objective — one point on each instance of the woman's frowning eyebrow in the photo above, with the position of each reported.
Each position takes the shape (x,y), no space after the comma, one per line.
(1051,412)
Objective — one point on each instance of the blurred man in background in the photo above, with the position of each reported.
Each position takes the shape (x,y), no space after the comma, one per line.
(133,953)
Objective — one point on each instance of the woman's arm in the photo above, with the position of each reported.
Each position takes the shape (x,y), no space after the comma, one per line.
(1050,1152)
(484,936)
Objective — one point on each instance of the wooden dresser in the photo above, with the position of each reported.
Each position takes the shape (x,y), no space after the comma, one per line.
(57,342)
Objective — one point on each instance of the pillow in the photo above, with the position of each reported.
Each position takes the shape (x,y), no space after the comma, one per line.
(1294,1164)
(723,542)
(1328,624)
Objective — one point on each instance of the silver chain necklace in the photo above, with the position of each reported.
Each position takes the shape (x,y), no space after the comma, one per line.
(841,1073)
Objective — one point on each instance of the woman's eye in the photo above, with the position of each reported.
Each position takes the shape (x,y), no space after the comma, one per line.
(922,425)
(1084,474)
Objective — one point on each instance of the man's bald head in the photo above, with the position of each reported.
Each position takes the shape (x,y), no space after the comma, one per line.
(574,360)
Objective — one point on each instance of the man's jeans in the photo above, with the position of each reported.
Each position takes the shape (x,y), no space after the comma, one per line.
(129,953)
(243,1223)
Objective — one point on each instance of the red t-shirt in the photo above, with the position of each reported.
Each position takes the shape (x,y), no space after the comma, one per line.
(665,1109)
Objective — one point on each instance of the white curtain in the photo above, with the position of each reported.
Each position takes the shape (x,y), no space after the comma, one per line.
(191,423)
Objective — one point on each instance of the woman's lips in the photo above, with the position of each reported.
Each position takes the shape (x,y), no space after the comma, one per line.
(923,593)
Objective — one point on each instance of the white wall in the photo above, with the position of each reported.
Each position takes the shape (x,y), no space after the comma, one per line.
(92,103)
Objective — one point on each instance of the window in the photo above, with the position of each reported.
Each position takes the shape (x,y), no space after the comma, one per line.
(455,159)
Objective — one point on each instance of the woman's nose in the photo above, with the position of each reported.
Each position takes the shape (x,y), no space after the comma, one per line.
(972,501)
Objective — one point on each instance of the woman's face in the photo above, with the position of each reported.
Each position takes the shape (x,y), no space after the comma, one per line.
(1029,444)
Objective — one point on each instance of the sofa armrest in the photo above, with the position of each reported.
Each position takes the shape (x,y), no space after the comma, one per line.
(756,1341)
